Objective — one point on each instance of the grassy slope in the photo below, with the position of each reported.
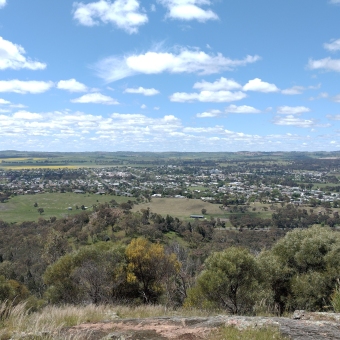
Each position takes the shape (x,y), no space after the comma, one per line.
(181,208)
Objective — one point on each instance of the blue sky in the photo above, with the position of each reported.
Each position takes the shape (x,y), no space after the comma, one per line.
(170,75)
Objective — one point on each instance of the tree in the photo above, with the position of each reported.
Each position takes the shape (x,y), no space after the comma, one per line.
(229,281)
(40,210)
(56,246)
(302,268)
(149,266)
(94,274)
(204,211)
(35,205)
(12,290)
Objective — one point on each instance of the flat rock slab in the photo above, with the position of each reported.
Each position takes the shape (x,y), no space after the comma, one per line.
(305,326)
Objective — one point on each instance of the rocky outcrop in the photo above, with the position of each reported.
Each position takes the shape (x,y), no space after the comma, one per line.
(302,326)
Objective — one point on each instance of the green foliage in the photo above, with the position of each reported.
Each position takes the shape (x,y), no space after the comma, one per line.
(230,281)
(56,246)
(12,290)
(302,268)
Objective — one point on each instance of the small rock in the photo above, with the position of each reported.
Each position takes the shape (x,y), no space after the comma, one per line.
(114,336)
(298,314)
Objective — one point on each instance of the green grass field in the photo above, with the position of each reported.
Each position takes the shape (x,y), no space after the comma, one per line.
(181,208)
(20,208)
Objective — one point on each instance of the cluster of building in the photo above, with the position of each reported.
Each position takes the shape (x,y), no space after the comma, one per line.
(172,181)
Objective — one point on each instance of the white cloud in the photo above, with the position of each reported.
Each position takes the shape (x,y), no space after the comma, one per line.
(333,117)
(327,64)
(4,102)
(260,86)
(186,61)
(336,98)
(293,90)
(25,115)
(125,14)
(334,1)
(2,3)
(73,131)
(142,90)
(291,120)
(143,106)
(12,56)
(207,96)
(218,92)
(216,129)
(241,109)
(292,110)
(209,114)
(219,84)
(18,106)
(321,95)
(95,98)
(29,86)
(189,10)
(333,46)
(71,85)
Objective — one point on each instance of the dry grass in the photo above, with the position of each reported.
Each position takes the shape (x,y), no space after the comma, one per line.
(50,322)
(47,323)
(140,312)
(232,333)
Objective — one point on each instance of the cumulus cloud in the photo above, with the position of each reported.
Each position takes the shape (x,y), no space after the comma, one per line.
(95,98)
(70,131)
(241,109)
(218,92)
(12,56)
(327,64)
(260,86)
(333,117)
(208,96)
(291,120)
(292,110)
(125,14)
(209,114)
(186,61)
(71,85)
(189,10)
(293,90)
(321,95)
(219,84)
(336,98)
(4,102)
(333,45)
(29,86)
(25,115)
(334,1)
(2,3)
(142,90)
